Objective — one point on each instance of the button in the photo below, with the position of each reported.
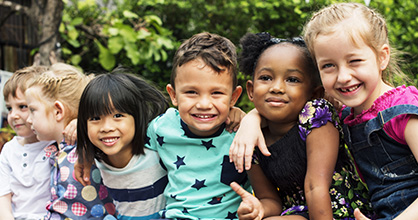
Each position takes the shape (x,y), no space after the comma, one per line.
(25,165)
(25,154)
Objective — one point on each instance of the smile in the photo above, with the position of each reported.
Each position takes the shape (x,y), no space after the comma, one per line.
(349,89)
(109,140)
(203,116)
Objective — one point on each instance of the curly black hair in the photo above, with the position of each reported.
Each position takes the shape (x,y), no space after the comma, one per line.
(253,45)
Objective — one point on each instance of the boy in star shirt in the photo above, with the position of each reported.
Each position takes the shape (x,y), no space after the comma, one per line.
(191,140)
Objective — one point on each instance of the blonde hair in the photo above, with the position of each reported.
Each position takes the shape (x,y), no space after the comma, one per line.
(63,83)
(372,30)
(21,79)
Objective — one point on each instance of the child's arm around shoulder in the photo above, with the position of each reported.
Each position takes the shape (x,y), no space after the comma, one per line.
(248,136)
(6,207)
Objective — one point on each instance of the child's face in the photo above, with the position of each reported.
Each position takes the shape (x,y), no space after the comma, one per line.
(281,84)
(350,72)
(42,120)
(203,96)
(113,134)
(18,114)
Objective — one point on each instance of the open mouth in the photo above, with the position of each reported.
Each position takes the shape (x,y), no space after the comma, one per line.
(203,116)
(350,89)
(109,140)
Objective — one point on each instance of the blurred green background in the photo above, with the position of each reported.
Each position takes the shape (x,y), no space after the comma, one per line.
(143,35)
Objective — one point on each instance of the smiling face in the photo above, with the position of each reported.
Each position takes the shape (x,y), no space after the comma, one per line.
(350,71)
(113,134)
(17,116)
(281,84)
(203,96)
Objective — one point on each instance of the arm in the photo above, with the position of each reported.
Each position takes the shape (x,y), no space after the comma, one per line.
(411,212)
(6,207)
(322,151)
(267,201)
(248,136)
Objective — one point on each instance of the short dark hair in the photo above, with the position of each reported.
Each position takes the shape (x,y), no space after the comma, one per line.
(120,91)
(216,51)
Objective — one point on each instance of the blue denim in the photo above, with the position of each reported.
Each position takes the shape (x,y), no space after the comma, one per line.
(389,168)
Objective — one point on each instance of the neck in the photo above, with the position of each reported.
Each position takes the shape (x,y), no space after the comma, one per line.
(274,131)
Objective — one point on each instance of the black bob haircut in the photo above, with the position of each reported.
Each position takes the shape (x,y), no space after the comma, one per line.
(123,92)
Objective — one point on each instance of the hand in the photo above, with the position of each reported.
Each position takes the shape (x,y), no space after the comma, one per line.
(234,119)
(248,136)
(70,132)
(250,207)
(82,172)
(359,215)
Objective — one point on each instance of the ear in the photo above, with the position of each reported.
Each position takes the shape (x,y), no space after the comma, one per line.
(59,111)
(384,56)
(318,92)
(250,89)
(235,95)
(172,92)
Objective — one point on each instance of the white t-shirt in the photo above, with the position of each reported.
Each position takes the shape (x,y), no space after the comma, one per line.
(25,172)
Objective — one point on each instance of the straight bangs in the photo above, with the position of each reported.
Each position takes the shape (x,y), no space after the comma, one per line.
(107,96)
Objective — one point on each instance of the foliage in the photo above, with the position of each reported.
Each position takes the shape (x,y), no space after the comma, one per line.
(144,34)
(99,38)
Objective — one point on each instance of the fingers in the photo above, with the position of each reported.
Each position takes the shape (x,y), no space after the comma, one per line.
(70,132)
(240,191)
(358,215)
(236,155)
(82,173)
(248,208)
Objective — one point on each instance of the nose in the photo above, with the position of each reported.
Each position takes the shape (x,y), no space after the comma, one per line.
(344,75)
(107,125)
(29,119)
(13,114)
(277,86)
(204,102)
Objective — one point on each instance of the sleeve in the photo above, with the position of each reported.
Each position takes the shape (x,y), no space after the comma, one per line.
(5,172)
(151,137)
(315,114)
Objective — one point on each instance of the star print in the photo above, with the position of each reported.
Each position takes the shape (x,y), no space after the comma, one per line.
(179,162)
(199,184)
(173,196)
(208,144)
(185,210)
(232,215)
(160,140)
(215,200)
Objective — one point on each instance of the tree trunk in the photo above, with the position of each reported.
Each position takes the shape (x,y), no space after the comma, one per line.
(47,14)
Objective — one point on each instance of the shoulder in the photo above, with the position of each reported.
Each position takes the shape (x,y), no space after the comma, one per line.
(315,114)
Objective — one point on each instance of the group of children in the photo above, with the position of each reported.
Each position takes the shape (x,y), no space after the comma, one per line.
(136,158)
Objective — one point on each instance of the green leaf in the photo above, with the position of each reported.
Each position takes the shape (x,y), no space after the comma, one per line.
(153,19)
(106,58)
(76,21)
(75,59)
(115,44)
(128,33)
(129,14)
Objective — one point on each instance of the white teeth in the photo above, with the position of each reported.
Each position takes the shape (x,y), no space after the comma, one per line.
(109,140)
(204,116)
(350,89)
